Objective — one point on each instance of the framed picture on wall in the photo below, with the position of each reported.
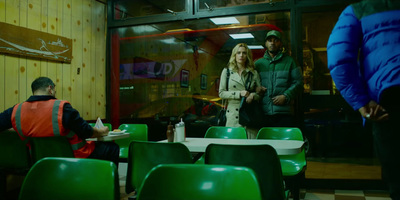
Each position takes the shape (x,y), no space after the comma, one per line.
(216,85)
(203,82)
(184,78)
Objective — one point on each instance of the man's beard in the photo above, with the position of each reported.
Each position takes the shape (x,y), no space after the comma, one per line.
(274,52)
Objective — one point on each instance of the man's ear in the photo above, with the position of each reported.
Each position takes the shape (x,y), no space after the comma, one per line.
(50,89)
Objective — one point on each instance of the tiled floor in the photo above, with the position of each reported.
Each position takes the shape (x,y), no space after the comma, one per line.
(344,195)
(320,170)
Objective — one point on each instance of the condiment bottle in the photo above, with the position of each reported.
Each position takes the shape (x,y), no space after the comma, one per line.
(180,131)
(170,133)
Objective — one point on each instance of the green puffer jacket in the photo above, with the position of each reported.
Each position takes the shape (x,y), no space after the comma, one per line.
(280,75)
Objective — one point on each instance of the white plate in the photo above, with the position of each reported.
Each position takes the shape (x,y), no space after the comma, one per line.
(116,133)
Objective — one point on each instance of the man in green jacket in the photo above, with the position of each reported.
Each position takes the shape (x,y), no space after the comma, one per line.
(281,81)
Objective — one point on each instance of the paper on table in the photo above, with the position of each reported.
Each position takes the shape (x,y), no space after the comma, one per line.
(99,123)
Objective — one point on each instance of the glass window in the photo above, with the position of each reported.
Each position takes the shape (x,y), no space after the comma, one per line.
(211,4)
(127,9)
(163,65)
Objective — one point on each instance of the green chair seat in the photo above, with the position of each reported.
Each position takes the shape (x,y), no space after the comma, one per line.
(199,182)
(137,132)
(144,155)
(71,178)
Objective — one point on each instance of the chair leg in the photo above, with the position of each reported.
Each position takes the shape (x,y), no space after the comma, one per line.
(294,184)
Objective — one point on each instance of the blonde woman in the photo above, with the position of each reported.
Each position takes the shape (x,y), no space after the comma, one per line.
(240,67)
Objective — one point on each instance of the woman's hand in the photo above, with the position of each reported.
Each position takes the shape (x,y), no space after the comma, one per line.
(250,98)
(244,93)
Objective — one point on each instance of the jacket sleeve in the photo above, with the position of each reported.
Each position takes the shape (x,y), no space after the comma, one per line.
(226,94)
(343,50)
(5,119)
(296,85)
(73,121)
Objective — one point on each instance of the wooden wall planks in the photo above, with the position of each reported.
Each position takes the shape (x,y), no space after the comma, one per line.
(84,21)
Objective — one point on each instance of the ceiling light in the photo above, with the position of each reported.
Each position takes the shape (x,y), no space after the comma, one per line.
(255,47)
(224,20)
(241,36)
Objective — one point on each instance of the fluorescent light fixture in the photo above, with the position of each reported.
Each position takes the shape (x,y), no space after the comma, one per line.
(224,20)
(255,47)
(241,36)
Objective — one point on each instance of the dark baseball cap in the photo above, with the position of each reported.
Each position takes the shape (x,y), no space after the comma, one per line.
(275,33)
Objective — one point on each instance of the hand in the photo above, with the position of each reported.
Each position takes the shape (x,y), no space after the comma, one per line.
(261,90)
(374,112)
(250,98)
(244,93)
(100,132)
(279,100)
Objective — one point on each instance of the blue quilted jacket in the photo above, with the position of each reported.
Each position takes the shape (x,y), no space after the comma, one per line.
(364,50)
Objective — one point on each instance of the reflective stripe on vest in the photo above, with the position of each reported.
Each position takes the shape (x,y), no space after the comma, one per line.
(78,145)
(54,118)
(18,121)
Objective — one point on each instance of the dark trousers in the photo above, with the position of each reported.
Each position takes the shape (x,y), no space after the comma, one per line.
(106,151)
(387,140)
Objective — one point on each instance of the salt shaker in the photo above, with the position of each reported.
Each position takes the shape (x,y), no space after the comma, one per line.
(180,131)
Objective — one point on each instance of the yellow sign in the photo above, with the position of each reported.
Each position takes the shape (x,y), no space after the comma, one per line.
(31,43)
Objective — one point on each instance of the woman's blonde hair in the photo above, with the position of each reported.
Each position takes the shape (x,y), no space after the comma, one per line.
(249,60)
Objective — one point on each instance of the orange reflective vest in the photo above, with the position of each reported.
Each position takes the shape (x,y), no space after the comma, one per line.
(44,119)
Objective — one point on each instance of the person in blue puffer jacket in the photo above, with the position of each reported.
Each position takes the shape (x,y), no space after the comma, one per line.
(364,61)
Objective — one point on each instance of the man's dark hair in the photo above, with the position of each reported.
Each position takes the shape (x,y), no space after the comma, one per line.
(41,83)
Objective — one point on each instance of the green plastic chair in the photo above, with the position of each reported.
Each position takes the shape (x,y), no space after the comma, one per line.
(143,156)
(293,166)
(263,159)
(226,132)
(71,178)
(223,132)
(105,124)
(199,182)
(42,147)
(137,132)
(14,158)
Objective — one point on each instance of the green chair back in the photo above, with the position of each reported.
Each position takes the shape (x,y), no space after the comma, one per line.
(71,178)
(105,124)
(263,159)
(226,132)
(14,156)
(280,133)
(143,156)
(223,132)
(198,182)
(293,166)
(42,147)
(136,132)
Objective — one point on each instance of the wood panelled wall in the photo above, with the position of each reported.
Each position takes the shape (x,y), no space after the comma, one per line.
(83,82)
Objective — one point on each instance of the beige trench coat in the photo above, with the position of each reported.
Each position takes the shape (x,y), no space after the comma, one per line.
(236,84)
